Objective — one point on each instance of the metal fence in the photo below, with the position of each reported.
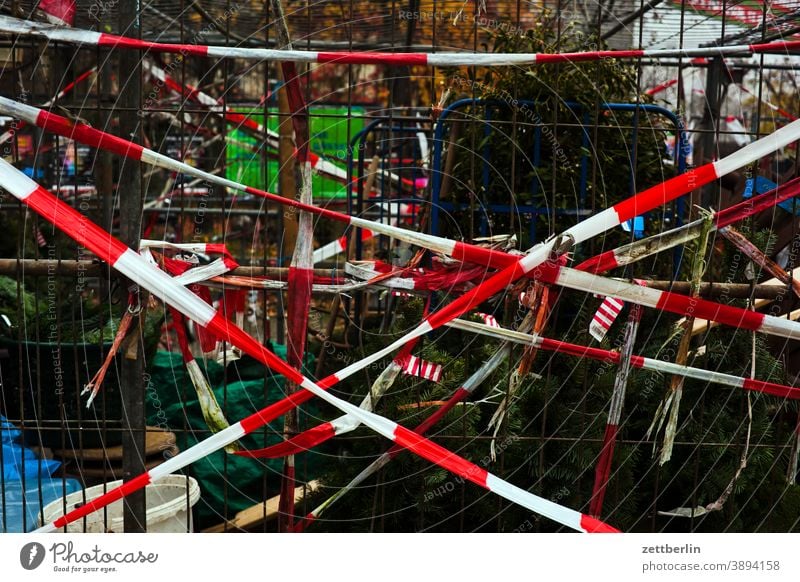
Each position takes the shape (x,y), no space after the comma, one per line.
(391,132)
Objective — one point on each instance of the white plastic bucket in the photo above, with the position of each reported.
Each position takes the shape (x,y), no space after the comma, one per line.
(167,507)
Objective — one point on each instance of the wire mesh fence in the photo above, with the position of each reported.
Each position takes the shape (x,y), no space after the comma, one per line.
(503,156)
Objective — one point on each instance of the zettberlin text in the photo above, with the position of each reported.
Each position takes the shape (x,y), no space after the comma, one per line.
(667,549)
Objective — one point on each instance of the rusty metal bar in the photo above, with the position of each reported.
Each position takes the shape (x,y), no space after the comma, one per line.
(71,268)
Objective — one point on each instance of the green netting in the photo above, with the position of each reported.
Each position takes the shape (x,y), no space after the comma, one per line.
(228,483)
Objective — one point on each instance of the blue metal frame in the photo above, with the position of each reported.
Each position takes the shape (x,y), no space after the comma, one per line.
(438,143)
(354,183)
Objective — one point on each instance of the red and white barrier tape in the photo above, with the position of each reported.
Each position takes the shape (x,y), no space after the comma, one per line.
(41,242)
(772,106)
(562,347)
(213,269)
(611,356)
(661,87)
(553,273)
(414,366)
(133,266)
(488,319)
(475,380)
(344,424)
(515,267)
(58,12)
(443,59)
(668,301)
(300,279)
(514,271)
(640,249)
(95,138)
(321,433)
(605,220)
(603,468)
(319,163)
(301,269)
(604,317)
(665,300)
(597,224)
(9,135)
(399,434)
(339,245)
(196,274)
(737,130)
(212,412)
(202,248)
(434,279)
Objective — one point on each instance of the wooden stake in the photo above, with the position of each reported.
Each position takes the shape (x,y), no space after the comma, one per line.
(301,269)
(603,468)
(671,404)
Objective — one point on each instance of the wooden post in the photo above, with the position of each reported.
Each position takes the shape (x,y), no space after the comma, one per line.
(130,209)
(301,268)
(286,174)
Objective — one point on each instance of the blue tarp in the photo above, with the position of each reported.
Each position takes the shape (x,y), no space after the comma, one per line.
(8,432)
(18,460)
(20,507)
